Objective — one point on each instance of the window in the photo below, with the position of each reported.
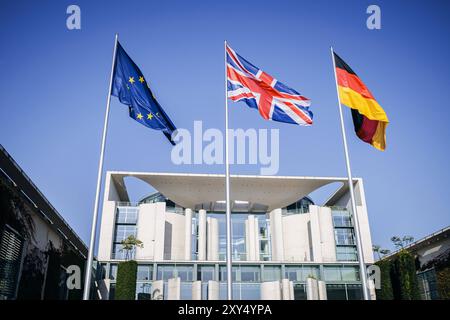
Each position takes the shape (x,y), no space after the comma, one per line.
(205,273)
(341,273)
(346,253)
(186,290)
(354,292)
(344,236)
(113,272)
(127,215)
(223,273)
(112,291)
(184,272)
(144,272)
(143,291)
(341,218)
(301,273)
(250,274)
(332,273)
(271,273)
(350,273)
(123,232)
(165,272)
(300,292)
(336,292)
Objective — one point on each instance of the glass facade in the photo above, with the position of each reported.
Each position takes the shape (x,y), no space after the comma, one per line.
(342,281)
(344,235)
(126,221)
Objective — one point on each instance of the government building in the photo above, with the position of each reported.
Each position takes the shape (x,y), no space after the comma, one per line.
(284,246)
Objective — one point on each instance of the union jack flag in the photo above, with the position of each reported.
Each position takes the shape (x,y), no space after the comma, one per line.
(274,100)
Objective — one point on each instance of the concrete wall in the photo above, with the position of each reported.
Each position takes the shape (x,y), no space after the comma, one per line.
(151,231)
(276,231)
(107,219)
(296,237)
(212,250)
(174,236)
(252,238)
(270,290)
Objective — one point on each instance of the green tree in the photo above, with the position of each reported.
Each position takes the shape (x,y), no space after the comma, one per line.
(129,244)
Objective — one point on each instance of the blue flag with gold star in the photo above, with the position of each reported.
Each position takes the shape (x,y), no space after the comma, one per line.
(130,87)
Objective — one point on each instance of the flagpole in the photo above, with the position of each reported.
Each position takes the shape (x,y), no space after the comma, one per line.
(227,187)
(88,271)
(362,265)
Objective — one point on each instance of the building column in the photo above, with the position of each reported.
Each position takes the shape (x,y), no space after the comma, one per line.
(187,234)
(213,239)
(197,290)
(315,234)
(174,289)
(276,230)
(201,235)
(322,290)
(270,290)
(252,238)
(213,290)
(312,290)
(287,289)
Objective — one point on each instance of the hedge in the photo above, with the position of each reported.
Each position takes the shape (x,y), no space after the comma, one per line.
(126,280)
(404,279)
(385,292)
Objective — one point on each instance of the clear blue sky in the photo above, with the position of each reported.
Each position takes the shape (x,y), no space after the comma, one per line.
(54,85)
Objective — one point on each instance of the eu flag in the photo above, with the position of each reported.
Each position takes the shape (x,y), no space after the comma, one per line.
(130,87)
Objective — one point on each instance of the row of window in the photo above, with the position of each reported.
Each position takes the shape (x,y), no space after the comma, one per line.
(244,291)
(126,219)
(242,273)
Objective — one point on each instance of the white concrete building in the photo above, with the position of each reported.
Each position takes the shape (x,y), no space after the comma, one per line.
(284,245)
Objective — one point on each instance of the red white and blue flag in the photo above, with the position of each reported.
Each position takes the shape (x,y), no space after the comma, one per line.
(274,100)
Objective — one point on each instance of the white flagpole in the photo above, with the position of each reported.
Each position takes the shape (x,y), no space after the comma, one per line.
(227,186)
(88,271)
(362,265)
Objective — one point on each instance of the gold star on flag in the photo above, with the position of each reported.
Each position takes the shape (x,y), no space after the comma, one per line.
(149,116)
(141,79)
(131,80)
(139,116)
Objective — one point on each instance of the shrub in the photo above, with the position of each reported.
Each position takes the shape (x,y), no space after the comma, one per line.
(404,279)
(385,292)
(126,280)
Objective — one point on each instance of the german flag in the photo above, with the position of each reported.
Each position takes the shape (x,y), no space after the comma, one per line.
(369,118)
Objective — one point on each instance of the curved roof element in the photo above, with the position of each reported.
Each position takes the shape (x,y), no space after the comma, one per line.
(189,190)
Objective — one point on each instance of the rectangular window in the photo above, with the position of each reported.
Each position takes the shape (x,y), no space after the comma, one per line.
(223,273)
(336,292)
(205,273)
(342,218)
(165,272)
(350,273)
(250,274)
(344,236)
(184,272)
(113,272)
(346,253)
(143,291)
(332,273)
(272,273)
(144,272)
(124,231)
(127,215)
